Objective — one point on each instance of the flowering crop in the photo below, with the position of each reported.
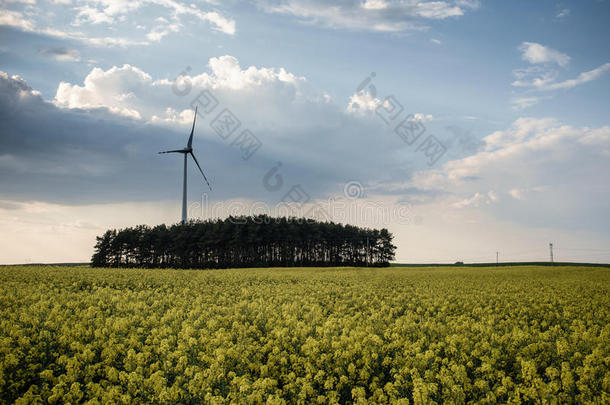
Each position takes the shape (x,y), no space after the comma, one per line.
(333,335)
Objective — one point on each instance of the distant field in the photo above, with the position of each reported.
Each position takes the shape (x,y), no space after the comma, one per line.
(394,335)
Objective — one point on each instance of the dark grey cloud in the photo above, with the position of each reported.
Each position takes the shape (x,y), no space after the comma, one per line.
(463,139)
(60,52)
(76,156)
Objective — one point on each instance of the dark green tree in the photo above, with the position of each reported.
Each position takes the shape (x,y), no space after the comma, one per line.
(255,241)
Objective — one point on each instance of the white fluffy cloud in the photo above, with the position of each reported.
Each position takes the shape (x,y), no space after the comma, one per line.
(370,15)
(219,22)
(537,53)
(91,15)
(131,92)
(374,4)
(537,162)
(110,89)
(16,19)
(363,103)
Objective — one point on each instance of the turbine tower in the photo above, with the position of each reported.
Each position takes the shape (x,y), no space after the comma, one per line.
(188,150)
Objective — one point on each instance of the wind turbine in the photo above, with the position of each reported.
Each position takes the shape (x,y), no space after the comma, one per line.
(188,150)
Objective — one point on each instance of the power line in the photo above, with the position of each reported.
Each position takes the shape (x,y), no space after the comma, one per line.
(529,255)
(593,250)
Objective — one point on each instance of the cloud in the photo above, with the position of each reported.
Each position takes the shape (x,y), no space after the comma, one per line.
(563,13)
(104,42)
(582,78)
(438,10)
(130,91)
(536,162)
(329,140)
(276,105)
(541,76)
(68,173)
(100,90)
(43,232)
(516,193)
(158,32)
(546,80)
(374,5)
(16,19)
(476,200)
(371,15)
(121,15)
(598,138)
(56,155)
(537,53)
(320,144)
(61,53)
(108,129)
(534,76)
(91,15)
(362,103)
(220,23)
(423,117)
(108,10)
(463,139)
(521,103)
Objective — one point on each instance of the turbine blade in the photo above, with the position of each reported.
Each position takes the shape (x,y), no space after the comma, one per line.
(205,178)
(173,151)
(190,143)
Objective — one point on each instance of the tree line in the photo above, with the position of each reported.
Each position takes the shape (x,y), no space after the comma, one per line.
(245,241)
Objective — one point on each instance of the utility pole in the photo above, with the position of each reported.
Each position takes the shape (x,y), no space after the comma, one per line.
(496,259)
(367,251)
(551,249)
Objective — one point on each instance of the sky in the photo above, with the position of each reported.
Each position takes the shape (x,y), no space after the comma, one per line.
(468,128)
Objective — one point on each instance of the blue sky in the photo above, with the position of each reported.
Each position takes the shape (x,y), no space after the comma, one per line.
(516,93)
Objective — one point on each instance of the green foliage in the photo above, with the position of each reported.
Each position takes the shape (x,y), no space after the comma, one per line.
(411,336)
(253,241)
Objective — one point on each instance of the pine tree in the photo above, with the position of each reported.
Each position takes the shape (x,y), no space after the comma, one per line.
(259,241)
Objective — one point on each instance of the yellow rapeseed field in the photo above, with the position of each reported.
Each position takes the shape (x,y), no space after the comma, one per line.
(395,335)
